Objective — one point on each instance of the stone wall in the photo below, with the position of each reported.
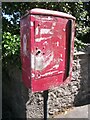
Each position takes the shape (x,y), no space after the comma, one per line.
(19,102)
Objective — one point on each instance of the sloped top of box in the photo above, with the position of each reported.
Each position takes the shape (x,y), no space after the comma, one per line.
(50,12)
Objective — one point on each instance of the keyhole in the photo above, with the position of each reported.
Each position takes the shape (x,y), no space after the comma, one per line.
(38,52)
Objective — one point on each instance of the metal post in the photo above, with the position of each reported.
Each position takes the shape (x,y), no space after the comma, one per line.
(45,95)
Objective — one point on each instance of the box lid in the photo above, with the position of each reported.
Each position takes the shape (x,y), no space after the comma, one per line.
(50,12)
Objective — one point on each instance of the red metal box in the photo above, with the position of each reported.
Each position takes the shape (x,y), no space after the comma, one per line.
(47,46)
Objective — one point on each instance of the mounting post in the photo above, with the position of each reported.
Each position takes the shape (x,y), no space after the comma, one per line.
(45,95)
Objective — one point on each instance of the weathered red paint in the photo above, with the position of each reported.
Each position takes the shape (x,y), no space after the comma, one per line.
(44,48)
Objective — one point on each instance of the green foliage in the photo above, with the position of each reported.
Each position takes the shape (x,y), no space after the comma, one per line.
(10,48)
(11,44)
(79,45)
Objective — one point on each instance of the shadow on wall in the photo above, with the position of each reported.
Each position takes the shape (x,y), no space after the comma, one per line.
(83,96)
(14,94)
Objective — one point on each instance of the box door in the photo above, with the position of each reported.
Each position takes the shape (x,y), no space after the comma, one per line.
(49,49)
